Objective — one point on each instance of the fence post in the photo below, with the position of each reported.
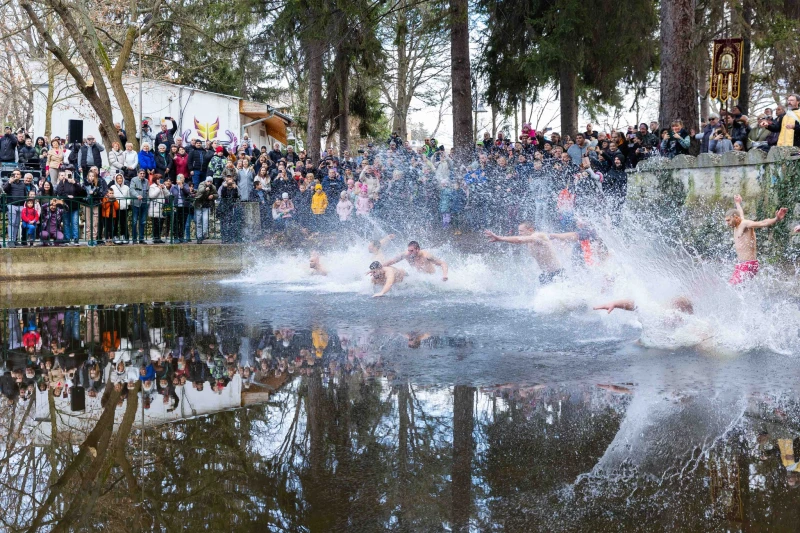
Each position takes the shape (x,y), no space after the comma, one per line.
(91,222)
(3,216)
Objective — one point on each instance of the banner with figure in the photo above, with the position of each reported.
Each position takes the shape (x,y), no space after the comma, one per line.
(726,68)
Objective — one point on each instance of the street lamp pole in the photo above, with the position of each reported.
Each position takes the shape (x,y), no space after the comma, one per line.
(140,89)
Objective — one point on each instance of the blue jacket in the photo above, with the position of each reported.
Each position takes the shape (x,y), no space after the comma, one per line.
(149,375)
(147,160)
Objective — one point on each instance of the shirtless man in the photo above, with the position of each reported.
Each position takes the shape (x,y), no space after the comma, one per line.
(681,303)
(420,259)
(744,239)
(376,247)
(540,248)
(385,275)
(316,265)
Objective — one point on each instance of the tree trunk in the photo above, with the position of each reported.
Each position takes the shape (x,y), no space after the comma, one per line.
(343,72)
(524,110)
(746,30)
(399,122)
(463,426)
(461,79)
(51,90)
(494,121)
(568,94)
(314,51)
(678,77)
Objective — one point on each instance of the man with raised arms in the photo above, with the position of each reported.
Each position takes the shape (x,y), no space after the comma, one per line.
(540,248)
(422,260)
(385,275)
(744,239)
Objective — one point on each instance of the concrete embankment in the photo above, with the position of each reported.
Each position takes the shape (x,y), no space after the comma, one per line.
(103,262)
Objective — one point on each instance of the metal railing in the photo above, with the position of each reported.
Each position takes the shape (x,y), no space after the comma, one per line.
(94,221)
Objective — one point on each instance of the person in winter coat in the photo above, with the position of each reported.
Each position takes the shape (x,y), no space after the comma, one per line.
(258,194)
(89,155)
(203,202)
(159,198)
(181,202)
(108,217)
(96,189)
(139,191)
(196,163)
(70,190)
(130,163)
(217,166)
(180,164)
(27,156)
(166,136)
(55,158)
(229,211)
(676,141)
(708,132)
(163,161)
(720,143)
(615,188)
(344,209)
(244,180)
(147,160)
(30,221)
(52,224)
(116,158)
(275,154)
(122,194)
(8,146)
(319,204)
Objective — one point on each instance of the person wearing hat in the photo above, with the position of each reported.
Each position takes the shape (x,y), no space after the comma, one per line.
(319,205)
(386,276)
(217,166)
(167,136)
(146,134)
(8,146)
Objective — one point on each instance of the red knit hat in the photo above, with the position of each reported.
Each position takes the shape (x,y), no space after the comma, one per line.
(218,149)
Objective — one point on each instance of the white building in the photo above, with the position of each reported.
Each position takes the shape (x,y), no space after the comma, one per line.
(199,114)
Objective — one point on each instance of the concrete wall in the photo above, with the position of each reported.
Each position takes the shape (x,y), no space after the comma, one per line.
(709,176)
(101,262)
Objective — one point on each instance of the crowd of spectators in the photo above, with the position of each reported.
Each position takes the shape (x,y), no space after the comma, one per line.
(191,193)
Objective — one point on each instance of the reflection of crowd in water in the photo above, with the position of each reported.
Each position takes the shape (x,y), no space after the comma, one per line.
(168,347)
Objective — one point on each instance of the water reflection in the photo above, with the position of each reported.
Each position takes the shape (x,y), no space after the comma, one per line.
(203,416)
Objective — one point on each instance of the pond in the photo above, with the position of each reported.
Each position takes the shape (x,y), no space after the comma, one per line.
(295,409)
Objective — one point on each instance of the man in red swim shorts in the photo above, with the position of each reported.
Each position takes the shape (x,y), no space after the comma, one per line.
(744,239)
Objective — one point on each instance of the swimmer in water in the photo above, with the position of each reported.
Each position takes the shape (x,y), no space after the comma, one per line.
(681,303)
(422,260)
(376,247)
(316,266)
(385,275)
(744,240)
(540,248)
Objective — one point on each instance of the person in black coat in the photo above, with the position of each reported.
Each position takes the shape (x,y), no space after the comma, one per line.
(27,155)
(791,122)
(196,162)
(8,147)
(275,154)
(167,137)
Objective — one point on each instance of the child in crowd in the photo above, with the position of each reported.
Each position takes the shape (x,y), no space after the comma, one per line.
(286,208)
(30,219)
(52,224)
(109,208)
(344,208)
(363,203)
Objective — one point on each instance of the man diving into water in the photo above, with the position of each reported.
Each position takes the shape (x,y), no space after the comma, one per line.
(422,260)
(744,240)
(386,275)
(540,248)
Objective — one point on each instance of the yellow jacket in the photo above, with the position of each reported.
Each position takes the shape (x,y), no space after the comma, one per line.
(319,203)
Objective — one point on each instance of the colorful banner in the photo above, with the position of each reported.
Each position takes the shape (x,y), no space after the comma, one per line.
(726,68)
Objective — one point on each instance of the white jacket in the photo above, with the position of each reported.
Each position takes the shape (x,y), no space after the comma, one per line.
(158,199)
(122,193)
(130,159)
(115,159)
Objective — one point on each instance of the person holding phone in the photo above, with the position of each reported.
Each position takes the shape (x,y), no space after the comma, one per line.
(720,141)
(166,136)
(676,140)
(69,188)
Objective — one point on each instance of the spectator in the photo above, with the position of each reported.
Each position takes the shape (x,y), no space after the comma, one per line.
(108,218)
(8,146)
(676,141)
(30,221)
(344,209)
(740,129)
(52,230)
(759,135)
(181,199)
(244,180)
(89,155)
(204,200)
(159,196)
(275,154)
(40,145)
(123,137)
(229,210)
(15,189)
(147,160)
(180,163)
(55,158)
(26,153)
(96,190)
(579,150)
(707,132)
(166,136)
(130,162)
(196,163)
(116,158)
(163,161)
(71,190)
(139,191)
(217,166)
(259,195)
(122,194)
(787,126)
(720,142)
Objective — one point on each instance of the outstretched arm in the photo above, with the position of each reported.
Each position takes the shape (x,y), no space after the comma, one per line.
(767,222)
(625,305)
(390,276)
(386,239)
(572,236)
(395,260)
(521,239)
(439,262)
(737,200)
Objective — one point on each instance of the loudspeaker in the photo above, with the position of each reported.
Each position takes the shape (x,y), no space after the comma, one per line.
(75,131)
(77,397)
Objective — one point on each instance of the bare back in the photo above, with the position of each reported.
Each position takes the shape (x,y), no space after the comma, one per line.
(423,262)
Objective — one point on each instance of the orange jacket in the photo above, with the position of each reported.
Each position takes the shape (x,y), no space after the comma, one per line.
(109,208)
